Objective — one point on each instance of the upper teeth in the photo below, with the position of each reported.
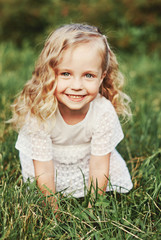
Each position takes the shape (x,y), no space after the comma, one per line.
(75,96)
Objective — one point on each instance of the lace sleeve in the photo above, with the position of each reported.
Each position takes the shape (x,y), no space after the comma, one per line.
(34,143)
(107,132)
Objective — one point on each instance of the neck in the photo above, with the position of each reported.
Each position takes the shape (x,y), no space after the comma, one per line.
(72,117)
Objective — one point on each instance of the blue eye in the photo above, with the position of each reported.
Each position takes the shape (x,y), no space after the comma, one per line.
(88,75)
(65,74)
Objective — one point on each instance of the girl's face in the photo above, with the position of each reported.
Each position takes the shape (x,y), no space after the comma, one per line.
(79,76)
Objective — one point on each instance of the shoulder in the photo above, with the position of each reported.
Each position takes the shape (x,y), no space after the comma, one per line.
(107,131)
(101,105)
(33,131)
(34,141)
(105,116)
(33,125)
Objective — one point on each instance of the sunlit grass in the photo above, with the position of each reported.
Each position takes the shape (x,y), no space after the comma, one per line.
(135,215)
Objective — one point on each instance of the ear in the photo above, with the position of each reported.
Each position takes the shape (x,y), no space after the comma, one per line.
(103,76)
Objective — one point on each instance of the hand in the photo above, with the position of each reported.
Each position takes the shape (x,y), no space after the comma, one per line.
(89,205)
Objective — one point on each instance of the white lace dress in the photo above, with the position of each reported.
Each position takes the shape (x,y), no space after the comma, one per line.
(70,147)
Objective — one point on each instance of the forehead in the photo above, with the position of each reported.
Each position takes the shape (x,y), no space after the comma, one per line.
(81,54)
(93,48)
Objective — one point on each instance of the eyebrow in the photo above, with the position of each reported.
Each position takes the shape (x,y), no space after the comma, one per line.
(70,70)
(64,69)
(91,71)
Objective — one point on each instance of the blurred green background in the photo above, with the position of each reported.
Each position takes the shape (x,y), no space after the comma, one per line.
(131,25)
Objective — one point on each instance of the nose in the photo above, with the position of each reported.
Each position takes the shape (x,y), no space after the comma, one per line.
(76,84)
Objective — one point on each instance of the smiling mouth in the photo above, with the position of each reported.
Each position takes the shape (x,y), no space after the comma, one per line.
(75,97)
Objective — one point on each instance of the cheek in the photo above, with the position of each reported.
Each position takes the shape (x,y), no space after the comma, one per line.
(93,87)
(60,86)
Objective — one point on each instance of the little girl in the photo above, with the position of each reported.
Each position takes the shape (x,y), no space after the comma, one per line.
(67,115)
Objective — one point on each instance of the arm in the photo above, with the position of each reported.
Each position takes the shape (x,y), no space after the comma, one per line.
(99,171)
(44,174)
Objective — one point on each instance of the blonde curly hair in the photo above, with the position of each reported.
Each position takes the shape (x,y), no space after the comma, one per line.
(37,98)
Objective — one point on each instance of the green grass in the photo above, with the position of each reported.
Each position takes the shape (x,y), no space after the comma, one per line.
(135,215)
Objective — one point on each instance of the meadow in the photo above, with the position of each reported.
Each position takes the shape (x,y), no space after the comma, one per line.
(136,215)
